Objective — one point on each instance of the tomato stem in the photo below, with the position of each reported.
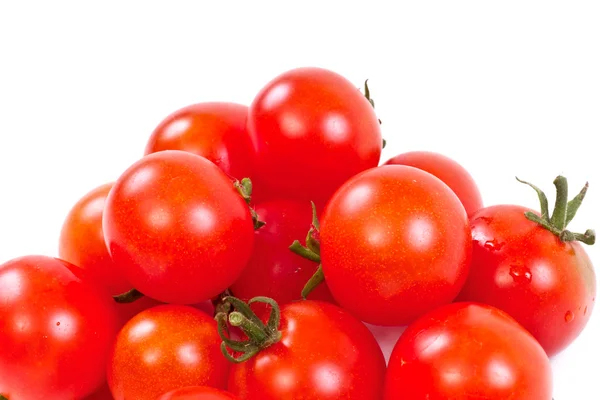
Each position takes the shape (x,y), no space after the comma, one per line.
(128,297)
(563,213)
(244,188)
(368,97)
(305,252)
(2,397)
(314,281)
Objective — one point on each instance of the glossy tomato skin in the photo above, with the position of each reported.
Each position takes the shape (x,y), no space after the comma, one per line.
(198,393)
(82,241)
(165,348)
(274,270)
(395,243)
(102,394)
(177,227)
(214,130)
(449,171)
(50,313)
(312,130)
(547,285)
(324,354)
(468,351)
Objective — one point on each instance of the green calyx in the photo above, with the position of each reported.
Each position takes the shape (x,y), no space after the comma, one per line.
(372,102)
(2,397)
(127,297)
(312,252)
(244,188)
(563,213)
(260,335)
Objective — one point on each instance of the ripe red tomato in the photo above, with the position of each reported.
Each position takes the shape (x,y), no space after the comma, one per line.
(56,329)
(468,351)
(177,227)
(449,171)
(216,131)
(82,241)
(165,348)
(102,394)
(324,354)
(312,130)
(547,285)
(273,270)
(198,393)
(395,243)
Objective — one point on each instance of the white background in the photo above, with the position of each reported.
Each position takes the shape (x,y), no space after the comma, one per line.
(506,88)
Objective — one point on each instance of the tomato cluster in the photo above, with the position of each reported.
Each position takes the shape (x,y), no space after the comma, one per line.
(240,257)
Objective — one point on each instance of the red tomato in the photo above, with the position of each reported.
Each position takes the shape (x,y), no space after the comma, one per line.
(449,171)
(312,130)
(56,329)
(177,227)
(102,394)
(198,393)
(273,270)
(395,243)
(324,354)
(468,351)
(216,131)
(549,286)
(165,348)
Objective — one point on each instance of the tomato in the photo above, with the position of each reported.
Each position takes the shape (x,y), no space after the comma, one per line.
(165,348)
(177,227)
(547,284)
(395,243)
(56,328)
(468,351)
(216,131)
(449,171)
(273,270)
(198,393)
(324,353)
(102,394)
(312,129)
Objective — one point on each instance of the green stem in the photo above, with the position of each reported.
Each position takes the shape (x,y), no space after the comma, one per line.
(128,297)
(559,215)
(2,397)
(317,278)
(302,251)
(255,332)
(573,205)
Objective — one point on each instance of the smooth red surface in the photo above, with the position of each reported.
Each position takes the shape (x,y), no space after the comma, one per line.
(395,243)
(468,351)
(165,348)
(102,394)
(324,354)
(215,130)
(274,270)
(449,171)
(198,393)
(312,130)
(177,227)
(547,285)
(56,329)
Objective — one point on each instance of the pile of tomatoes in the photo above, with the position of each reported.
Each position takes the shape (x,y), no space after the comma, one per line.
(242,255)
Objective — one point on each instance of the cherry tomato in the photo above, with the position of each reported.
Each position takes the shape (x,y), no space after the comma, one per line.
(549,286)
(395,243)
(312,130)
(468,351)
(324,354)
(102,394)
(177,227)
(56,329)
(198,393)
(273,270)
(449,171)
(165,348)
(216,131)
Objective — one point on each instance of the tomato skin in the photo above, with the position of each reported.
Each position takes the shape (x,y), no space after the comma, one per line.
(307,121)
(50,312)
(324,354)
(449,171)
(395,243)
(198,393)
(525,270)
(102,394)
(274,270)
(468,351)
(214,130)
(165,348)
(177,227)
(82,241)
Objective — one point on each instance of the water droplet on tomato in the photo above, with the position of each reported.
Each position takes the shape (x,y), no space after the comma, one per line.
(520,273)
(569,316)
(493,245)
